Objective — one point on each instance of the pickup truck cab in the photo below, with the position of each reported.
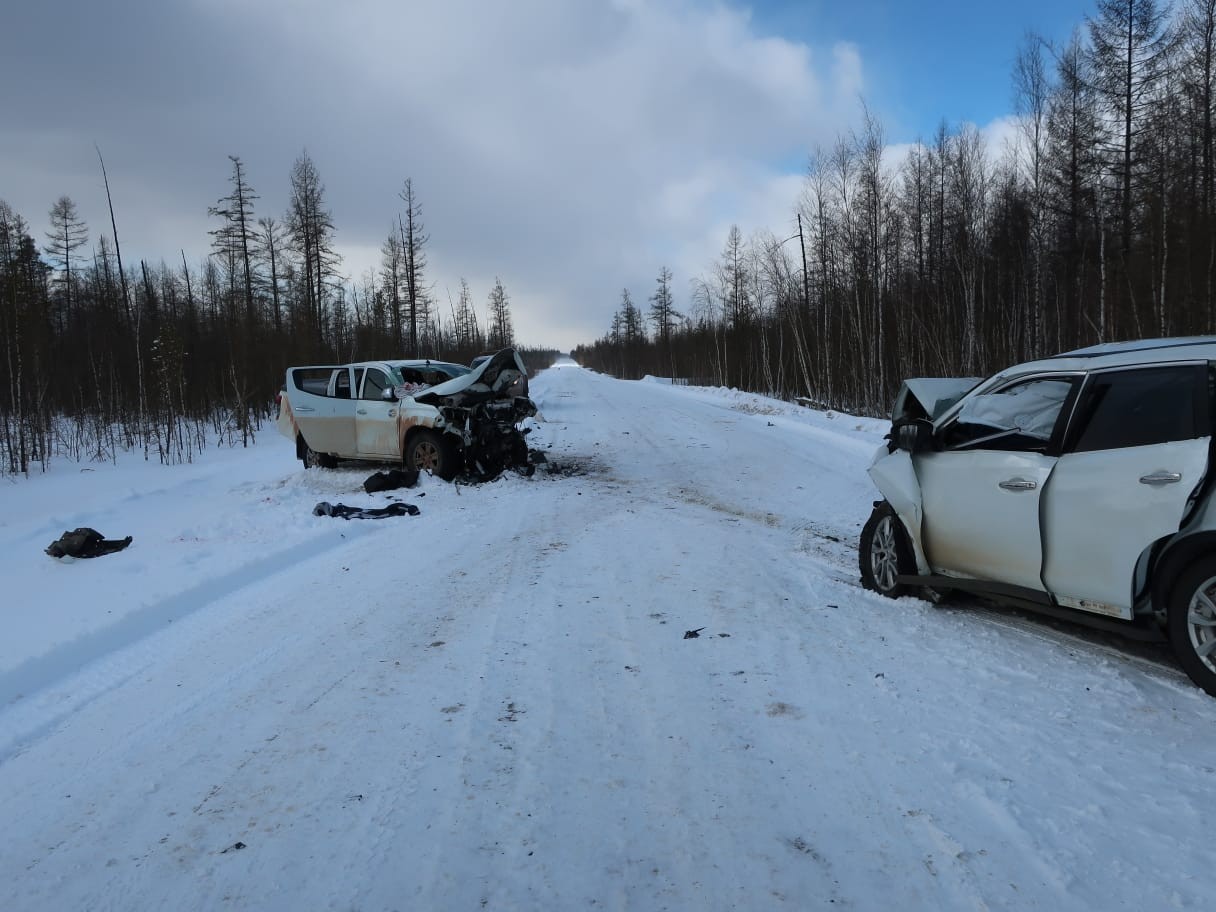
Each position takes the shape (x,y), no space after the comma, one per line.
(431,415)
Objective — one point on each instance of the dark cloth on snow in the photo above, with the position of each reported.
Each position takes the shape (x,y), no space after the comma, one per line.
(342,510)
(85,542)
(391,480)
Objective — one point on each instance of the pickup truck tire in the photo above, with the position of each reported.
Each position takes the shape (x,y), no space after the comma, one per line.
(430,451)
(1191,622)
(885,552)
(312,459)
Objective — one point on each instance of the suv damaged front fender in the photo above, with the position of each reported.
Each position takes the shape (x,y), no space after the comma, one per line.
(895,477)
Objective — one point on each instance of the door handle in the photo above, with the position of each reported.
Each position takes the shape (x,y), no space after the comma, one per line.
(360,411)
(1018,484)
(1161,478)
(305,408)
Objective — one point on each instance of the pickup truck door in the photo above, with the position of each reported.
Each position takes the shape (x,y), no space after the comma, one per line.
(1138,449)
(377,432)
(327,422)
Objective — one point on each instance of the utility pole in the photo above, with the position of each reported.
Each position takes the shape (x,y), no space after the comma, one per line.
(806,288)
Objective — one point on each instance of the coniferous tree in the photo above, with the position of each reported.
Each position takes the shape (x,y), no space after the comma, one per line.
(310,229)
(1130,45)
(413,243)
(67,235)
(1198,53)
(269,247)
(1032,96)
(393,283)
(662,308)
(501,333)
(464,322)
(233,241)
(1073,178)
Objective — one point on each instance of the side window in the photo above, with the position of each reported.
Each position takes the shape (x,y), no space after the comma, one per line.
(1133,408)
(374,384)
(1021,417)
(342,386)
(314,380)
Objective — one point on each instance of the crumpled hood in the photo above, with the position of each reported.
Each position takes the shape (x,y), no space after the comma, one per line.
(933,395)
(504,374)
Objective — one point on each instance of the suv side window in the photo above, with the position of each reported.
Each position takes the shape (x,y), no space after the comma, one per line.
(1142,407)
(1020,417)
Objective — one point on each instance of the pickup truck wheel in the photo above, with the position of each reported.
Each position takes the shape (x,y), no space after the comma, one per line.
(1191,622)
(313,459)
(307,456)
(884,553)
(428,451)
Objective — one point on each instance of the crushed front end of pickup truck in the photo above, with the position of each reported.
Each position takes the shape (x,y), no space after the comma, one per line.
(483,410)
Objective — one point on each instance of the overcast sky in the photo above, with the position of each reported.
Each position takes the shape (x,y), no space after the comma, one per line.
(570,147)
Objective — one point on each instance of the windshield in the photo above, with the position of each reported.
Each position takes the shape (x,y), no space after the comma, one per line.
(420,376)
(1030,409)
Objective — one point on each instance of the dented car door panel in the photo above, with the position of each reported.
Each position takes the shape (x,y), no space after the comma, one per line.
(981,493)
(376,433)
(376,429)
(981,514)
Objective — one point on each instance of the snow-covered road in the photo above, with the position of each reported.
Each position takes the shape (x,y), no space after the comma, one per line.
(493,705)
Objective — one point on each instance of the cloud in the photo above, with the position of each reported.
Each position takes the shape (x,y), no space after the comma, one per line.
(568,148)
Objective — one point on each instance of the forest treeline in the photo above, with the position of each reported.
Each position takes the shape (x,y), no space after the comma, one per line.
(1095,223)
(102,355)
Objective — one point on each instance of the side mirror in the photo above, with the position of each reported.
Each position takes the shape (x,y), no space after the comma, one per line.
(388,395)
(915,436)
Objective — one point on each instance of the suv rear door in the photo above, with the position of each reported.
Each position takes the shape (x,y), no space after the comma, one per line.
(1136,450)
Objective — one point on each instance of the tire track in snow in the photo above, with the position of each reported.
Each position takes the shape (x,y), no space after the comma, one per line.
(114,650)
(469,638)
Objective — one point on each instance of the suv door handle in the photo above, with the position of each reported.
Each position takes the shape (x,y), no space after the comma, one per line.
(1161,478)
(360,411)
(1018,484)
(305,408)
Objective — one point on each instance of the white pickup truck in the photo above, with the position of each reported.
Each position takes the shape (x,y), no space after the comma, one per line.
(430,415)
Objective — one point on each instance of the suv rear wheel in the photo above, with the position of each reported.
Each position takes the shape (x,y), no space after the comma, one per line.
(1192,622)
(885,552)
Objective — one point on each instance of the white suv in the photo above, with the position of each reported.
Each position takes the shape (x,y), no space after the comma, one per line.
(1078,485)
